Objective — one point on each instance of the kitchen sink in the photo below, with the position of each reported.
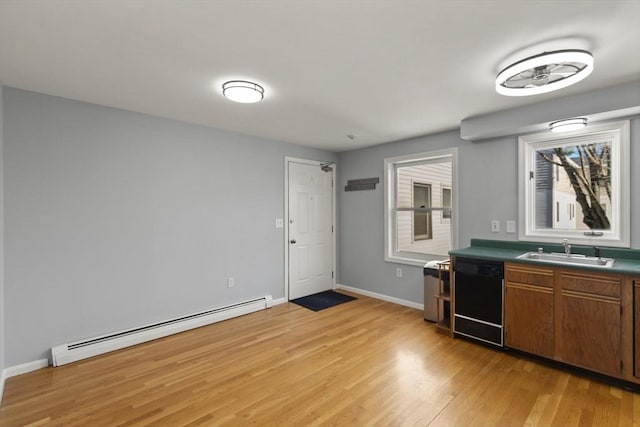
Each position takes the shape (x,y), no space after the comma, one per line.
(572,259)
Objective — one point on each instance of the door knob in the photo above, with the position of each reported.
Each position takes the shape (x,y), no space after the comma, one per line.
(293,241)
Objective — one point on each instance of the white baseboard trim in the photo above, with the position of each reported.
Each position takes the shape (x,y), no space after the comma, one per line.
(278,301)
(381,296)
(12,371)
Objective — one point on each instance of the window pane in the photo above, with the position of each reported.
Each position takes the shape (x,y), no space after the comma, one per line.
(421,226)
(421,220)
(420,185)
(446,203)
(573,187)
(576,186)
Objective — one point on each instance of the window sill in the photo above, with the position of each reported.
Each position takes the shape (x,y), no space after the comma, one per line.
(414,261)
(576,240)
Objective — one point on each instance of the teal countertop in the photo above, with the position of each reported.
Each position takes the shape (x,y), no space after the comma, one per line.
(627,261)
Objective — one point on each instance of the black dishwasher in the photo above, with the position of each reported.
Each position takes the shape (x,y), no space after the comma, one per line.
(478,299)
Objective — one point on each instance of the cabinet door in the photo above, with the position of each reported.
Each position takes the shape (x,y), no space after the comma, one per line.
(590,329)
(528,309)
(636,327)
(529,319)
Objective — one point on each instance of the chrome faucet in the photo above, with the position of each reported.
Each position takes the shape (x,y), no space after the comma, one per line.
(567,247)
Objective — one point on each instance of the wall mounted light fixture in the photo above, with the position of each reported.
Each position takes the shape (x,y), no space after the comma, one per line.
(243,91)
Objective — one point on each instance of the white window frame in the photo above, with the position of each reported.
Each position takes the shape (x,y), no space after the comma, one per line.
(390,229)
(618,134)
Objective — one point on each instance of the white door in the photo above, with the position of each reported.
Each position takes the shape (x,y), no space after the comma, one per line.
(310,229)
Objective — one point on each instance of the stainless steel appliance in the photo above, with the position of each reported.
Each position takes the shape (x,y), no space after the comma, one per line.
(431,277)
(478,299)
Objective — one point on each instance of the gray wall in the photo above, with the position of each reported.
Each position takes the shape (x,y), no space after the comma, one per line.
(361,219)
(488,189)
(117,219)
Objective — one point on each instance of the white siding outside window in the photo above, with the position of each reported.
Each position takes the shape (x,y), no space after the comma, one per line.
(419,201)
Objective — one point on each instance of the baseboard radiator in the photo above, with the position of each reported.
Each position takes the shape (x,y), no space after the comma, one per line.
(67,353)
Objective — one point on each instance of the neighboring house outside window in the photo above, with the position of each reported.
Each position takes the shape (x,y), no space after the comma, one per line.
(576,186)
(419,203)
(446,203)
(422,229)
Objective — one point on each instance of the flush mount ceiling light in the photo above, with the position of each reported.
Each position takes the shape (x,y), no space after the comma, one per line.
(544,72)
(568,125)
(243,91)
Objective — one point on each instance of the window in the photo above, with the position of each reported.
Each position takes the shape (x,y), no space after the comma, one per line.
(446,203)
(420,205)
(576,186)
(422,219)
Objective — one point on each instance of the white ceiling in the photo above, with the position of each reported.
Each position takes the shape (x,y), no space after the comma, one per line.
(381,70)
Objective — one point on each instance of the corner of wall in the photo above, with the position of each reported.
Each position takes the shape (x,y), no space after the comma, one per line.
(3,376)
(19,370)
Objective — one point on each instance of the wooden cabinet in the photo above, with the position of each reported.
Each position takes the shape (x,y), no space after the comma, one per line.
(589,327)
(573,316)
(528,309)
(636,326)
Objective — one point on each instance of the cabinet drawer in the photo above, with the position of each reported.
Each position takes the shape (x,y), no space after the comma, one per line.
(518,273)
(609,286)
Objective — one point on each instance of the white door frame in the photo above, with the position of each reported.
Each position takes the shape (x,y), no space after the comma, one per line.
(288,160)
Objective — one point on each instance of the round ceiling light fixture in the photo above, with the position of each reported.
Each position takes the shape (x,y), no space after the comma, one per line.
(243,91)
(567,125)
(544,72)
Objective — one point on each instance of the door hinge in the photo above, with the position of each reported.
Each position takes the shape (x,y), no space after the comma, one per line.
(620,310)
(332,228)
(530,174)
(621,365)
(332,274)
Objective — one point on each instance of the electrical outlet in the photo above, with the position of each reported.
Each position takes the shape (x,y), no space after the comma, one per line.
(398,272)
(279,223)
(495,226)
(511,226)
(230,282)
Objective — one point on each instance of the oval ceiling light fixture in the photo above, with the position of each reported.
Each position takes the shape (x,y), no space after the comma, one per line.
(243,91)
(545,72)
(567,125)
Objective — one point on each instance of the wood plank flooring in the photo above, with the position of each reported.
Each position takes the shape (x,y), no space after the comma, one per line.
(366,362)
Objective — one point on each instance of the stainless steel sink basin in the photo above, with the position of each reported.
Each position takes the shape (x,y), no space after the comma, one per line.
(573,259)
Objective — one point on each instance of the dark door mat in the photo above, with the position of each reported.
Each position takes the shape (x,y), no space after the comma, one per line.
(322,300)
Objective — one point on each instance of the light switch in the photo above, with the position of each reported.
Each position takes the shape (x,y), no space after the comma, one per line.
(279,223)
(495,226)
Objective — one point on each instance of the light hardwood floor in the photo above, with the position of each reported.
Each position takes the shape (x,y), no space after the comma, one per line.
(366,362)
